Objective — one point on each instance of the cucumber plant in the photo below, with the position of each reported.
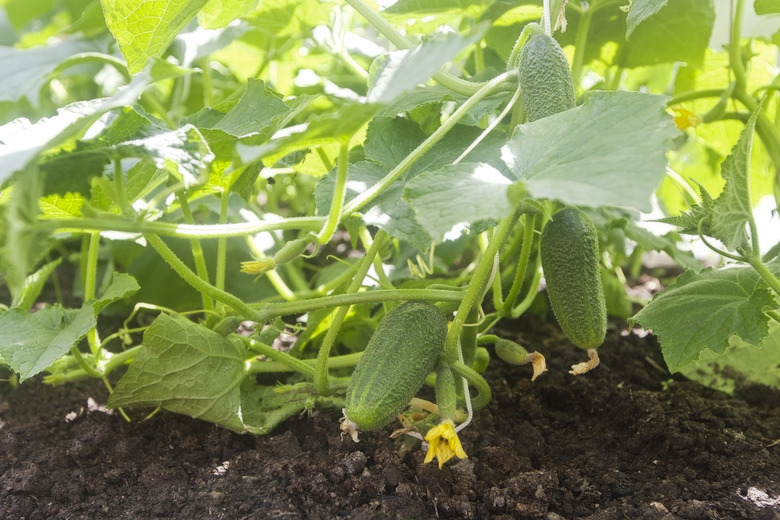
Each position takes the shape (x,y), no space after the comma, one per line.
(251,198)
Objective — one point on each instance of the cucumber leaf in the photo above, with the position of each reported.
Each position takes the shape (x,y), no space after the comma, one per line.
(27,70)
(705,310)
(610,151)
(448,200)
(740,362)
(726,216)
(397,72)
(30,343)
(210,387)
(145,28)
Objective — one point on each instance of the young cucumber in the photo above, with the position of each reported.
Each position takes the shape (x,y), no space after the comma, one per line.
(401,353)
(546,86)
(570,260)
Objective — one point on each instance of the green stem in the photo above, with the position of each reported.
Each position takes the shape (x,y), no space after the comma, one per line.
(692,95)
(91,57)
(198,283)
(321,369)
(580,43)
(476,288)
(339,191)
(458,85)
(526,302)
(345,361)
(197,250)
(269,311)
(283,358)
(477,381)
(171,229)
(222,241)
(774,315)
(377,189)
(531,221)
(120,196)
(770,279)
(88,368)
(90,287)
(208,86)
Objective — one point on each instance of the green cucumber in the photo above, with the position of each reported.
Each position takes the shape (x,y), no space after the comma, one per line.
(402,352)
(546,86)
(570,261)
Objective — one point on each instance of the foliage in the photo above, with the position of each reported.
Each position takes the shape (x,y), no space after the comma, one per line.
(246,188)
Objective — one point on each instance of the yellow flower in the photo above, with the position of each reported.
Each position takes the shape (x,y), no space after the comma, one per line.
(684,118)
(257,266)
(443,443)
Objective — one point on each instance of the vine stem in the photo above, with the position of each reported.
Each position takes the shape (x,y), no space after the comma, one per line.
(170,229)
(321,367)
(458,85)
(281,358)
(198,283)
(197,250)
(767,275)
(525,253)
(377,189)
(261,367)
(476,288)
(269,311)
(339,191)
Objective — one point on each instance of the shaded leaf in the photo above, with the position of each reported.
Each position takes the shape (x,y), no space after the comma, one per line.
(447,201)
(30,343)
(704,310)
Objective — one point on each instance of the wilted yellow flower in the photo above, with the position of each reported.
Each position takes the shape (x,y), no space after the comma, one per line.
(539,364)
(443,443)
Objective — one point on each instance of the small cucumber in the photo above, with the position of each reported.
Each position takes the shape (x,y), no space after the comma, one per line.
(570,260)
(546,86)
(402,352)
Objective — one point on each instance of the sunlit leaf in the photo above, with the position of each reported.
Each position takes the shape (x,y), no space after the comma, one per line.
(145,28)
(609,151)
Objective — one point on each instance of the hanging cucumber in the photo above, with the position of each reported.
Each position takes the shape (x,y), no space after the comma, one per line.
(401,353)
(570,260)
(546,86)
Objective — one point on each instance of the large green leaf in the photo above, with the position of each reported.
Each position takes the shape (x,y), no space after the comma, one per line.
(733,208)
(640,10)
(449,200)
(30,343)
(25,71)
(145,28)
(219,13)
(610,151)
(397,72)
(388,142)
(259,111)
(705,310)
(740,362)
(678,31)
(21,141)
(189,369)
(767,7)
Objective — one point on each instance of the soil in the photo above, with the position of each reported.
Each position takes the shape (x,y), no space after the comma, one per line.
(626,441)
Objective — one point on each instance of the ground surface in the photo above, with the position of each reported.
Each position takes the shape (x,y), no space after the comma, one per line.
(626,441)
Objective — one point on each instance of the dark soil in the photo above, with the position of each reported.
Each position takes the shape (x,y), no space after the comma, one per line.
(626,441)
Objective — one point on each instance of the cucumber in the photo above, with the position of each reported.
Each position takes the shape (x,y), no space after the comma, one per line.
(402,352)
(570,260)
(546,86)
